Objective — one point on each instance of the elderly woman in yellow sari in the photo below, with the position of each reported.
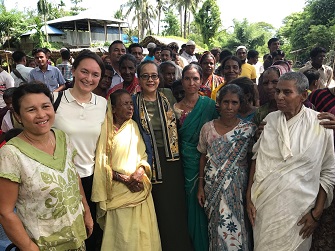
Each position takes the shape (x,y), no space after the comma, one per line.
(121,184)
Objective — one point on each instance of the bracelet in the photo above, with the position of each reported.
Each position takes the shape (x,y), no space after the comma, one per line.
(311,212)
(200,177)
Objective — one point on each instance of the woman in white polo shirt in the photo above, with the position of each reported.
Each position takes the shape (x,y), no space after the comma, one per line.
(80,115)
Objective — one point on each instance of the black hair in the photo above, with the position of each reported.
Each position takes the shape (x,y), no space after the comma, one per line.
(115,42)
(272,40)
(144,63)
(8,93)
(109,67)
(232,57)
(277,53)
(173,46)
(115,95)
(246,85)
(315,51)
(232,88)
(215,51)
(252,54)
(157,48)
(44,50)
(128,57)
(207,54)
(84,54)
(65,54)
(225,53)
(32,87)
(18,56)
(167,49)
(312,75)
(197,67)
(134,45)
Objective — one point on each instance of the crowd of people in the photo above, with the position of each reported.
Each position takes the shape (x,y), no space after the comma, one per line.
(168,151)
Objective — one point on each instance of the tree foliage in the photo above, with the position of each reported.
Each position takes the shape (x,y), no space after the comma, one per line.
(76,8)
(171,24)
(208,20)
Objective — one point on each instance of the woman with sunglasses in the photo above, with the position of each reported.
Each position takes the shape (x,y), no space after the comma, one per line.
(158,126)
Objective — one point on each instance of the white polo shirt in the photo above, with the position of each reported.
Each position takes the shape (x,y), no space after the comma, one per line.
(82,123)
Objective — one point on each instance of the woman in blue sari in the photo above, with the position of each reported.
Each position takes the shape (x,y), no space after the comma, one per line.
(192,112)
(223,174)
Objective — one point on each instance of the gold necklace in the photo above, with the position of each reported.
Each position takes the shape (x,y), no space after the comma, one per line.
(188,105)
(31,141)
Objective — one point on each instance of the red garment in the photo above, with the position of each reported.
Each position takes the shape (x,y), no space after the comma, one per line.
(133,88)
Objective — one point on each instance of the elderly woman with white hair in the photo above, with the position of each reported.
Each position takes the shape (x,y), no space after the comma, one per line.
(293,171)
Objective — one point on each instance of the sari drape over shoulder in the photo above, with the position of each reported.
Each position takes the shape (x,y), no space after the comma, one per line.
(293,158)
(203,112)
(128,219)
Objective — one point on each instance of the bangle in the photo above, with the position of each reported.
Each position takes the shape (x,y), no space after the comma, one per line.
(313,215)
(200,177)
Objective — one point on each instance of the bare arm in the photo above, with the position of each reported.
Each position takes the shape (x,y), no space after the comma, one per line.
(201,192)
(250,206)
(60,88)
(9,220)
(87,214)
(310,220)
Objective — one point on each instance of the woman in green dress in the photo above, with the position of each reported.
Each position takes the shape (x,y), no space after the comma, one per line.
(193,111)
(41,181)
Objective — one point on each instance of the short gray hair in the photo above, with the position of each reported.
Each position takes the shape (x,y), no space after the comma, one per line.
(301,81)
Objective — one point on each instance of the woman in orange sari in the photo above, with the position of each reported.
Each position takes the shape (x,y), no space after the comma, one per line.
(210,81)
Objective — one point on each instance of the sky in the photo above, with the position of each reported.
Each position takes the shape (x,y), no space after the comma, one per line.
(254,11)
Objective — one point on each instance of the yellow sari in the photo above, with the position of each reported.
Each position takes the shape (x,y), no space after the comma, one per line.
(127,219)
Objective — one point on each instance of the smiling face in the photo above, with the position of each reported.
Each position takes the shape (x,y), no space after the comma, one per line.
(229,105)
(127,70)
(116,51)
(191,81)
(87,75)
(149,85)
(231,70)
(36,113)
(123,109)
(41,59)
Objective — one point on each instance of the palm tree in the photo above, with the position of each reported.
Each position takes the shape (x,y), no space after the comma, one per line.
(43,8)
(136,6)
(161,6)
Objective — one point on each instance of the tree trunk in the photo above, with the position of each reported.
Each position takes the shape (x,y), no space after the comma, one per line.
(159,20)
(185,20)
(45,29)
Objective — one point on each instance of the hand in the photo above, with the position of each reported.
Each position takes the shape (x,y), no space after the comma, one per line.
(260,129)
(309,225)
(327,124)
(201,196)
(135,183)
(251,212)
(88,223)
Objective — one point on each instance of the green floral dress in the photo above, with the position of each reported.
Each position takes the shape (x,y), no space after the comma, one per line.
(49,200)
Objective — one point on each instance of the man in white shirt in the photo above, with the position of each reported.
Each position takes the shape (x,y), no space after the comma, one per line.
(318,55)
(188,54)
(116,50)
(21,73)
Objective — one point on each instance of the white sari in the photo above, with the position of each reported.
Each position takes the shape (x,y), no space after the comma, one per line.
(293,158)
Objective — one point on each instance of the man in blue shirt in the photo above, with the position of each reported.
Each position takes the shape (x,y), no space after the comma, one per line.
(45,73)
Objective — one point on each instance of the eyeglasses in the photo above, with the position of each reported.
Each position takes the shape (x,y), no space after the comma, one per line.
(147,76)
